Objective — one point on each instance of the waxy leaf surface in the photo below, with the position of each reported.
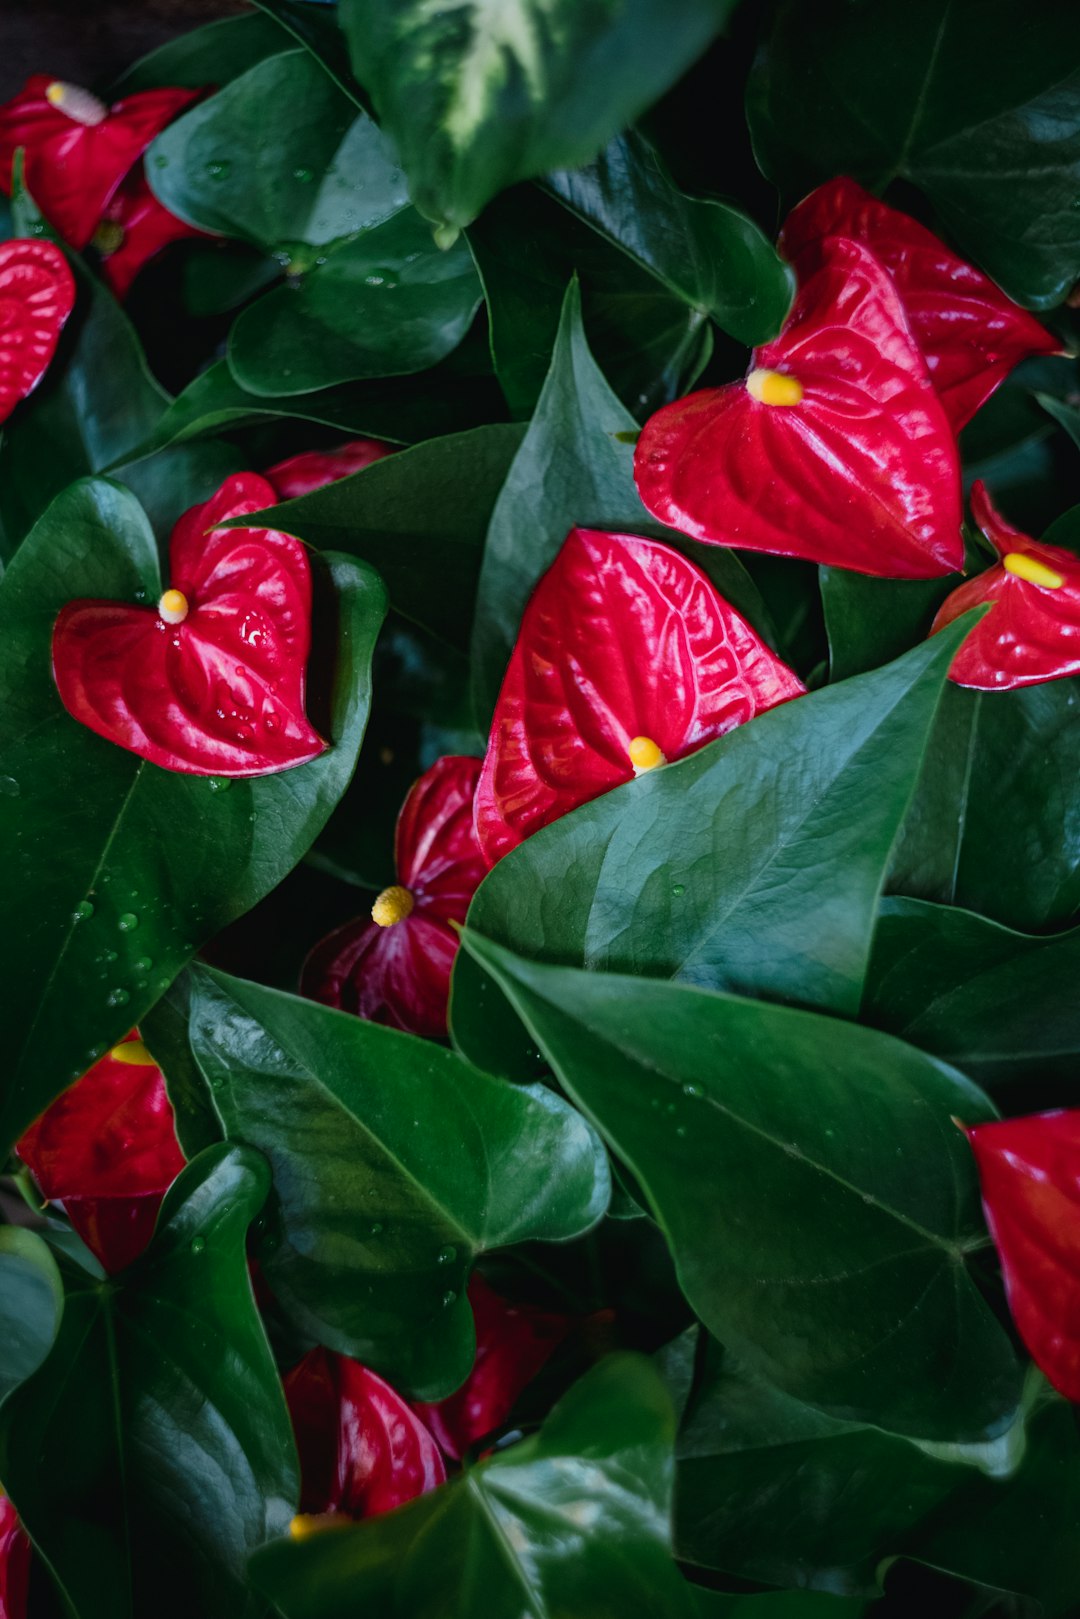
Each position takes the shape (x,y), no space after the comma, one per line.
(573,1520)
(773,1147)
(395,1164)
(119,869)
(31,1305)
(145,1462)
(37,294)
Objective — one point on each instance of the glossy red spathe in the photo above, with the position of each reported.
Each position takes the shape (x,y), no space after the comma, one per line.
(314,469)
(14,1563)
(76,152)
(1032,632)
(850,462)
(624,643)
(1029,1169)
(134,229)
(398,973)
(971,335)
(107,1150)
(216,686)
(362,1450)
(37,294)
(513,1343)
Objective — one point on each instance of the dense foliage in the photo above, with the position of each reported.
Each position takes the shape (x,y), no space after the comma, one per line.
(542,847)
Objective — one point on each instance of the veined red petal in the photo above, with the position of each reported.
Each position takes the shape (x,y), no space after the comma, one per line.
(1030,1174)
(513,1343)
(362,1450)
(1032,633)
(301,474)
(622,639)
(222,692)
(970,333)
(399,975)
(14,1563)
(107,1150)
(37,294)
(73,168)
(146,227)
(861,472)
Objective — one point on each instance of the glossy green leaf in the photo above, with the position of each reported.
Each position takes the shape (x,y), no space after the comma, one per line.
(395,1165)
(478,98)
(312,170)
(573,1521)
(871,621)
(384,303)
(778,1149)
(709,253)
(212,55)
(317,30)
(152,1450)
(754,865)
(1000,1005)
(991,828)
(972,100)
(419,517)
(1019,449)
(31,1304)
(574,467)
(1066,415)
(95,833)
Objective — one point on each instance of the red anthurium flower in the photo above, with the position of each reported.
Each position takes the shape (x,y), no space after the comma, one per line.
(1032,632)
(37,294)
(970,333)
(14,1563)
(77,149)
(362,1450)
(835,448)
(1030,1174)
(627,658)
(134,229)
(107,1150)
(513,1343)
(301,474)
(211,680)
(394,966)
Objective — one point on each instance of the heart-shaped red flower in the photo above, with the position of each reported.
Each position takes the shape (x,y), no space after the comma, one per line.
(14,1563)
(107,1150)
(1032,632)
(301,474)
(627,658)
(77,150)
(211,681)
(394,965)
(835,448)
(37,294)
(134,229)
(362,1450)
(513,1343)
(971,335)
(1030,1174)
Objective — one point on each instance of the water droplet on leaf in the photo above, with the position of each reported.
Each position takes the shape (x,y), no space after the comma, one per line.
(118,997)
(446,1256)
(83,911)
(128,922)
(198,1245)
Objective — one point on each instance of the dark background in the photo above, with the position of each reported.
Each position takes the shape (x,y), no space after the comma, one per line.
(91,41)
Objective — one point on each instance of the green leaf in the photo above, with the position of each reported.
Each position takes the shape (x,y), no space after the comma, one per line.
(872,621)
(1065,414)
(95,833)
(318,32)
(575,467)
(1000,1005)
(384,303)
(992,827)
(395,1165)
(768,1488)
(817,1200)
(1018,450)
(419,517)
(573,1521)
(478,97)
(212,55)
(31,1305)
(313,170)
(152,1450)
(971,100)
(708,253)
(754,865)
